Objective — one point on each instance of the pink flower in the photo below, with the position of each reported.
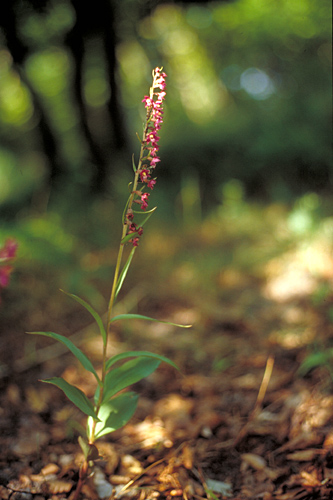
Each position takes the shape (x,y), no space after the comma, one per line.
(4,275)
(8,251)
(144,200)
(148,101)
(153,162)
(144,196)
(135,241)
(144,175)
(132,228)
(154,119)
(152,138)
(130,215)
(7,254)
(159,78)
(153,151)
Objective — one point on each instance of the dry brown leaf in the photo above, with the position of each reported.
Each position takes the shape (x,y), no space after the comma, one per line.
(310,479)
(255,461)
(130,466)
(117,479)
(304,455)
(328,443)
(4,493)
(88,492)
(301,441)
(57,486)
(187,457)
(49,469)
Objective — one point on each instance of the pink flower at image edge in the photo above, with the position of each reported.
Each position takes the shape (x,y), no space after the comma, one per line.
(7,254)
(8,251)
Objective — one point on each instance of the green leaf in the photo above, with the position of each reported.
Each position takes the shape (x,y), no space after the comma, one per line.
(86,363)
(210,494)
(135,354)
(75,395)
(314,360)
(149,212)
(139,316)
(92,311)
(127,374)
(128,237)
(126,206)
(133,163)
(124,272)
(114,414)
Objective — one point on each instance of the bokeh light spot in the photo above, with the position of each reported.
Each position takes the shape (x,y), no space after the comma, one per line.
(257,83)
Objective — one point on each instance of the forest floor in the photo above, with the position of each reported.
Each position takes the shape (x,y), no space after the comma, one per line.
(249,415)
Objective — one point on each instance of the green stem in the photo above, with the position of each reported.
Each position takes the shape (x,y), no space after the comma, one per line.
(114,288)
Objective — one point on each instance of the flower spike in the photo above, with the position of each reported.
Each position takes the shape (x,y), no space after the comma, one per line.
(149,149)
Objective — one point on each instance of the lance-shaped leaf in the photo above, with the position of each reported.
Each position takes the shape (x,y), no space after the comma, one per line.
(135,354)
(139,316)
(85,362)
(126,205)
(114,414)
(133,163)
(149,212)
(128,237)
(92,311)
(75,395)
(124,271)
(127,374)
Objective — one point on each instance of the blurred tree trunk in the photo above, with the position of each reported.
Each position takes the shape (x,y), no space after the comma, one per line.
(9,22)
(99,21)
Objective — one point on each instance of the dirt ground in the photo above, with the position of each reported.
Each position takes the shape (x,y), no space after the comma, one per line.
(244,418)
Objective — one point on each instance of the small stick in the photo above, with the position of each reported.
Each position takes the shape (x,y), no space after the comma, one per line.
(261,395)
(264,383)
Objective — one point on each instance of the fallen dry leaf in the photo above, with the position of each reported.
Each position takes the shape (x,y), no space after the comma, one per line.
(304,455)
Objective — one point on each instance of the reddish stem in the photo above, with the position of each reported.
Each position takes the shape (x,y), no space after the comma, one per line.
(83,474)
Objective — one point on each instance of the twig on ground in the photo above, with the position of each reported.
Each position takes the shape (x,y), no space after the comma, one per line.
(260,398)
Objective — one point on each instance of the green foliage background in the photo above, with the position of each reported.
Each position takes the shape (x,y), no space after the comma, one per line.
(249,97)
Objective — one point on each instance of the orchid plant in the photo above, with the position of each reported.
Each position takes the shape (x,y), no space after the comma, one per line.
(111,407)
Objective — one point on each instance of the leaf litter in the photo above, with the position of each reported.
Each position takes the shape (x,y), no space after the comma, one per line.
(238,422)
